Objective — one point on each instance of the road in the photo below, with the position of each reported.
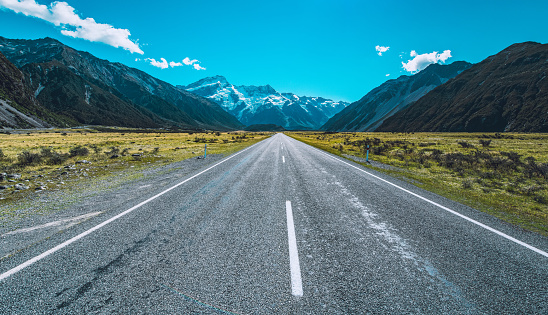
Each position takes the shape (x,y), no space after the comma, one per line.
(280,228)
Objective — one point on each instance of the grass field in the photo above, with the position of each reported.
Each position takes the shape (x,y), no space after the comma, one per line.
(501,174)
(41,160)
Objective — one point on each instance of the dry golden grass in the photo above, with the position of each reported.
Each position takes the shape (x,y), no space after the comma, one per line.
(49,163)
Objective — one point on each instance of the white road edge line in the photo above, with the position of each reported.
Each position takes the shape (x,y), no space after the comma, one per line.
(283,158)
(296,281)
(116,217)
(543,253)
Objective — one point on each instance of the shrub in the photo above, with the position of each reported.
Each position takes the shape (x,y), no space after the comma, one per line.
(513,156)
(28,158)
(465,144)
(57,159)
(78,151)
(113,151)
(541,199)
(485,143)
(53,158)
(95,148)
(467,184)
(47,152)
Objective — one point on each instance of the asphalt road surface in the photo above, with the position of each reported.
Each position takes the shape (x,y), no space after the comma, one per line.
(279,228)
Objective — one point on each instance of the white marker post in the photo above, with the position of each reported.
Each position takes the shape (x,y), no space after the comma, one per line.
(367,154)
(205,151)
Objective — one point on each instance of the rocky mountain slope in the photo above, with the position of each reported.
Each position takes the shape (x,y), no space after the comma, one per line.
(392,96)
(264,105)
(94,91)
(18,106)
(505,92)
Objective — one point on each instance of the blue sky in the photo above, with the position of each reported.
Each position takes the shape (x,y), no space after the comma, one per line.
(312,48)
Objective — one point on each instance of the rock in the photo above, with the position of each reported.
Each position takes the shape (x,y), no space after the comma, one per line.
(2,187)
(12,181)
(3,176)
(41,188)
(70,167)
(21,187)
(83,162)
(136,154)
(64,173)
(14,176)
(114,156)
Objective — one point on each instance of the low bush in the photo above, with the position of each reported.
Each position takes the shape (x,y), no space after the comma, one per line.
(27,158)
(465,144)
(78,151)
(485,143)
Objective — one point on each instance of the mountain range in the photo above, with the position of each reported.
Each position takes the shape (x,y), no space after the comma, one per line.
(45,83)
(391,97)
(258,105)
(505,92)
(80,89)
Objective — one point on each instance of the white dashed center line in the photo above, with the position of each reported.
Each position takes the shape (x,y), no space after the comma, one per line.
(296,281)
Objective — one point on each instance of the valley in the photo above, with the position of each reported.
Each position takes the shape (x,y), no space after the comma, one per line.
(271,157)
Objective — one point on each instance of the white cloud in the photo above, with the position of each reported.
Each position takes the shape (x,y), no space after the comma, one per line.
(419,62)
(188,62)
(160,64)
(197,67)
(381,49)
(388,74)
(163,64)
(63,15)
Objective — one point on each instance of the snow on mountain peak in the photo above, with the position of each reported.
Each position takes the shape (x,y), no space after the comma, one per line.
(264,105)
(218,79)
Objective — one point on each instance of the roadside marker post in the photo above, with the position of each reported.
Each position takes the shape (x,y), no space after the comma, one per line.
(205,151)
(367,154)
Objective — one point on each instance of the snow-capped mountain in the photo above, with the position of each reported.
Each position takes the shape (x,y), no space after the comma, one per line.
(264,105)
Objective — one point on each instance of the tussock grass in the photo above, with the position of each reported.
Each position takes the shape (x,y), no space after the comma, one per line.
(505,175)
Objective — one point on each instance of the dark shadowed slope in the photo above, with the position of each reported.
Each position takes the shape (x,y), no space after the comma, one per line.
(18,106)
(505,92)
(392,96)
